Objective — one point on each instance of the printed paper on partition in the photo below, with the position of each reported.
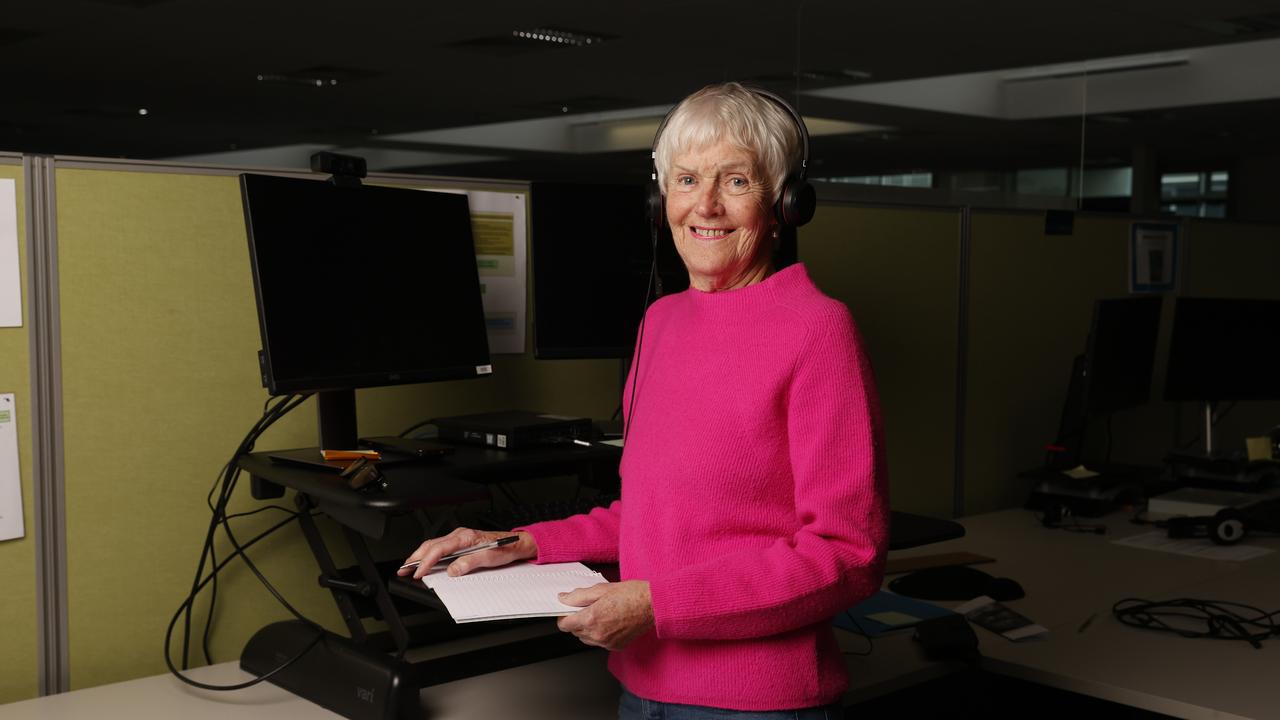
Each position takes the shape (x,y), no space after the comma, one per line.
(10,275)
(10,477)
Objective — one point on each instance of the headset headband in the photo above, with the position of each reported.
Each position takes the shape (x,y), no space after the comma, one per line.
(772,97)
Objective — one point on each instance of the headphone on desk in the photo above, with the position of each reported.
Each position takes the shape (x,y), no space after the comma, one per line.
(797,201)
(1228,526)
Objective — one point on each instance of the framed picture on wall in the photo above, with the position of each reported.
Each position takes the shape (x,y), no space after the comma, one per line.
(1153,257)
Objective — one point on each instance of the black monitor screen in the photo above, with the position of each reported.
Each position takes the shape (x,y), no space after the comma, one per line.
(1224,350)
(1121,353)
(362,286)
(592,250)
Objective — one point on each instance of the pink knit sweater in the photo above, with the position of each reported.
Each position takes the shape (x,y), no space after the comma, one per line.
(754,498)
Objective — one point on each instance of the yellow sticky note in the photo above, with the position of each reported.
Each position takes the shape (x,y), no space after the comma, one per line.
(1258,448)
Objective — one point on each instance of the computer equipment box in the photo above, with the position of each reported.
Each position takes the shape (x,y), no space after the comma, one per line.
(514,429)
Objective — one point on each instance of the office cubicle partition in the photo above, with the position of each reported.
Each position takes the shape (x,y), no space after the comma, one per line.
(896,269)
(1030,300)
(19,651)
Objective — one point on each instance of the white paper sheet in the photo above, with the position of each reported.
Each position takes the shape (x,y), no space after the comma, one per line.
(499,229)
(10,477)
(10,276)
(1195,547)
(498,223)
(512,591)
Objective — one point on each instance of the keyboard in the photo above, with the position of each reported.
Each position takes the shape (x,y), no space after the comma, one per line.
(529,513)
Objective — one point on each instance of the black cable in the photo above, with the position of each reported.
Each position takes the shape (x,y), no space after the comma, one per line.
(1048,518)
(227,476)
(213,589)
(218,515)
(190,600)
(635,366)
(415,426)
(1192,618)
(861,631)
(1107,456)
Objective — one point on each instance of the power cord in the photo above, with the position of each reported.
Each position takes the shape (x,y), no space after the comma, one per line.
(861,631)
(405,433)
(186,606)
(644,315)
(1191,618)
(1054,516)
(227,480)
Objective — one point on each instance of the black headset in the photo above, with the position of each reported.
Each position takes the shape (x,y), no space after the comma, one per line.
(797,201)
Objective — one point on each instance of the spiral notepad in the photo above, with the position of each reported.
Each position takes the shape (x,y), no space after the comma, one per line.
(512,591)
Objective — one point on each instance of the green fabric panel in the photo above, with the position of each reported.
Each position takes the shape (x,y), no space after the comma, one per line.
(1031,297)
(19,661)
(1231,260)
(896,269)
(1031,300)
(159,368)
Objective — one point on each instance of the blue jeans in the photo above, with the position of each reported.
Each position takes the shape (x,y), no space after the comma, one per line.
(631,707)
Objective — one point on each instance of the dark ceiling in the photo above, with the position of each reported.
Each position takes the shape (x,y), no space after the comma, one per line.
(76,72)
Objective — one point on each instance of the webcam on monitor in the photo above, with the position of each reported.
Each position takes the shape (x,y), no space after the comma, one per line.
(341,167)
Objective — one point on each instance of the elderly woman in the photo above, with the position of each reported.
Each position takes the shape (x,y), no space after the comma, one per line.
(753,504)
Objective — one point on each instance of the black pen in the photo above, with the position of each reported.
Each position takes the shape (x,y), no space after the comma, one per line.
(1087,622)
(483,546)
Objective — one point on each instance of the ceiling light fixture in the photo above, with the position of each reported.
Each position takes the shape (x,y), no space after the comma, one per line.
(294,79)
(1097,67)
(558,36)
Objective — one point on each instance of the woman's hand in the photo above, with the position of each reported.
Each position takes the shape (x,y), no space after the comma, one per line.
(430,552)
(612,615)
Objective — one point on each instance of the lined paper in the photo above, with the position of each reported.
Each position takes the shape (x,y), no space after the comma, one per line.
(512,591)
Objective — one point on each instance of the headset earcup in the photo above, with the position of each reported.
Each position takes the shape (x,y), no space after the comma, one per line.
(796,203)
(1228,527)
(656,207)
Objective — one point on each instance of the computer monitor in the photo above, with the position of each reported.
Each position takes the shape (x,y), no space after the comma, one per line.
(1113,374)
(360,287)
(1224,350)
(592,250)
(1121,353)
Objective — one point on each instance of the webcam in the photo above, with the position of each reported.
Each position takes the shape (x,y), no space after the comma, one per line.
(344,169)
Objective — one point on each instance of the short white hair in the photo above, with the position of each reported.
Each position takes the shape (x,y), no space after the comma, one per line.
(730,112)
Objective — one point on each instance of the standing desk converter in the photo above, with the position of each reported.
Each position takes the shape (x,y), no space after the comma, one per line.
(343,674)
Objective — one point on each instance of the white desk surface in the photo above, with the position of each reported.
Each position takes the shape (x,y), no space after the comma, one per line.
(1067,577)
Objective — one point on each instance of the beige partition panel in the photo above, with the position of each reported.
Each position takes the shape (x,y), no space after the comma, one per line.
(1031,298)
(159,342)
(18,656)
(896,269)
